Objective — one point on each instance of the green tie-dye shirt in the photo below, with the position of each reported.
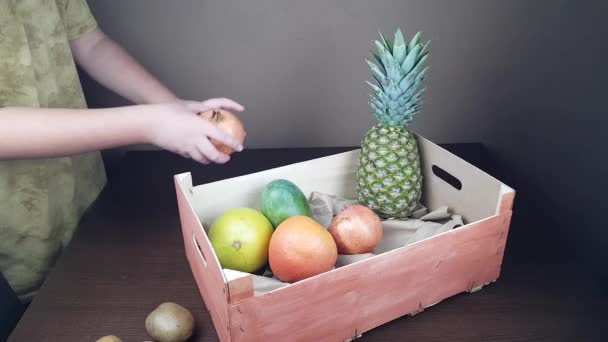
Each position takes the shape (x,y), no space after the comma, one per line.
(41,201)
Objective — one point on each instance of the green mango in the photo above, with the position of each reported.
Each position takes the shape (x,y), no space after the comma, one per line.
(282,199)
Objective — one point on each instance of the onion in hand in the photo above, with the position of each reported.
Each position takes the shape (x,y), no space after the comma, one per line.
(227,122)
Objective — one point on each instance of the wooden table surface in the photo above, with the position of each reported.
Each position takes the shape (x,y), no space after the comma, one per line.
(128,257)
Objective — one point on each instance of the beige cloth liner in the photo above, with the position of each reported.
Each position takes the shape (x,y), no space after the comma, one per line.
(396,233)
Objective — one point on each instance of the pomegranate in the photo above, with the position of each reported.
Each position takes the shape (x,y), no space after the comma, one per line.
(227,122)
(301,248)
(356,229)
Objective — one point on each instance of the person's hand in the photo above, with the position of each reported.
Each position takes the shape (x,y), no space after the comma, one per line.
(176,127)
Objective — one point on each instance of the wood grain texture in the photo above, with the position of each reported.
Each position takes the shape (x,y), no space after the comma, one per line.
(205,266)
(128,256)
(346,302)
(479,196)
(506,203)
(240,286)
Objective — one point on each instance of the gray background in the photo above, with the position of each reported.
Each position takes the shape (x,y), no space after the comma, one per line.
(526,78)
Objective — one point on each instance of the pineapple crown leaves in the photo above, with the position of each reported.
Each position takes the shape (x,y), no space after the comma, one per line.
(399,69)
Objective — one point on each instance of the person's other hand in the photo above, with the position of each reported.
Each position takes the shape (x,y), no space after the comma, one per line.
(176,127)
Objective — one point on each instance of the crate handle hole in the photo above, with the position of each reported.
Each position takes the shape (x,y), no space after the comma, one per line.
(199,250)
(448,178)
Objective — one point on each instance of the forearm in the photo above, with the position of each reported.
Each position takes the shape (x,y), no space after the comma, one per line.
(27,133)
(112,66)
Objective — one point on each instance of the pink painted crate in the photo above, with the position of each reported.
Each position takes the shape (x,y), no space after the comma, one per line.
(382,288)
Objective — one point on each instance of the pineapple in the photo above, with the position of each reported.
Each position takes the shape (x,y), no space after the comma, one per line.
(389,179)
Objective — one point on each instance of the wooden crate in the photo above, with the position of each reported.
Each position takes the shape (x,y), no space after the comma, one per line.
(343,303)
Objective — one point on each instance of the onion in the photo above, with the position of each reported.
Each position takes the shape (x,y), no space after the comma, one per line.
(229,123)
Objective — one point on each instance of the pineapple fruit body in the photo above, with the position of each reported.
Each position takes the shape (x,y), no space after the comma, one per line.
(389,179)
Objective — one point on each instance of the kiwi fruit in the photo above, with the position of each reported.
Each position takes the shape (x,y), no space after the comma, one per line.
(170,322)
(109,338)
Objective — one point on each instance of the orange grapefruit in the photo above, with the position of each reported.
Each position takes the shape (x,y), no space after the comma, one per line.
(301,248)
